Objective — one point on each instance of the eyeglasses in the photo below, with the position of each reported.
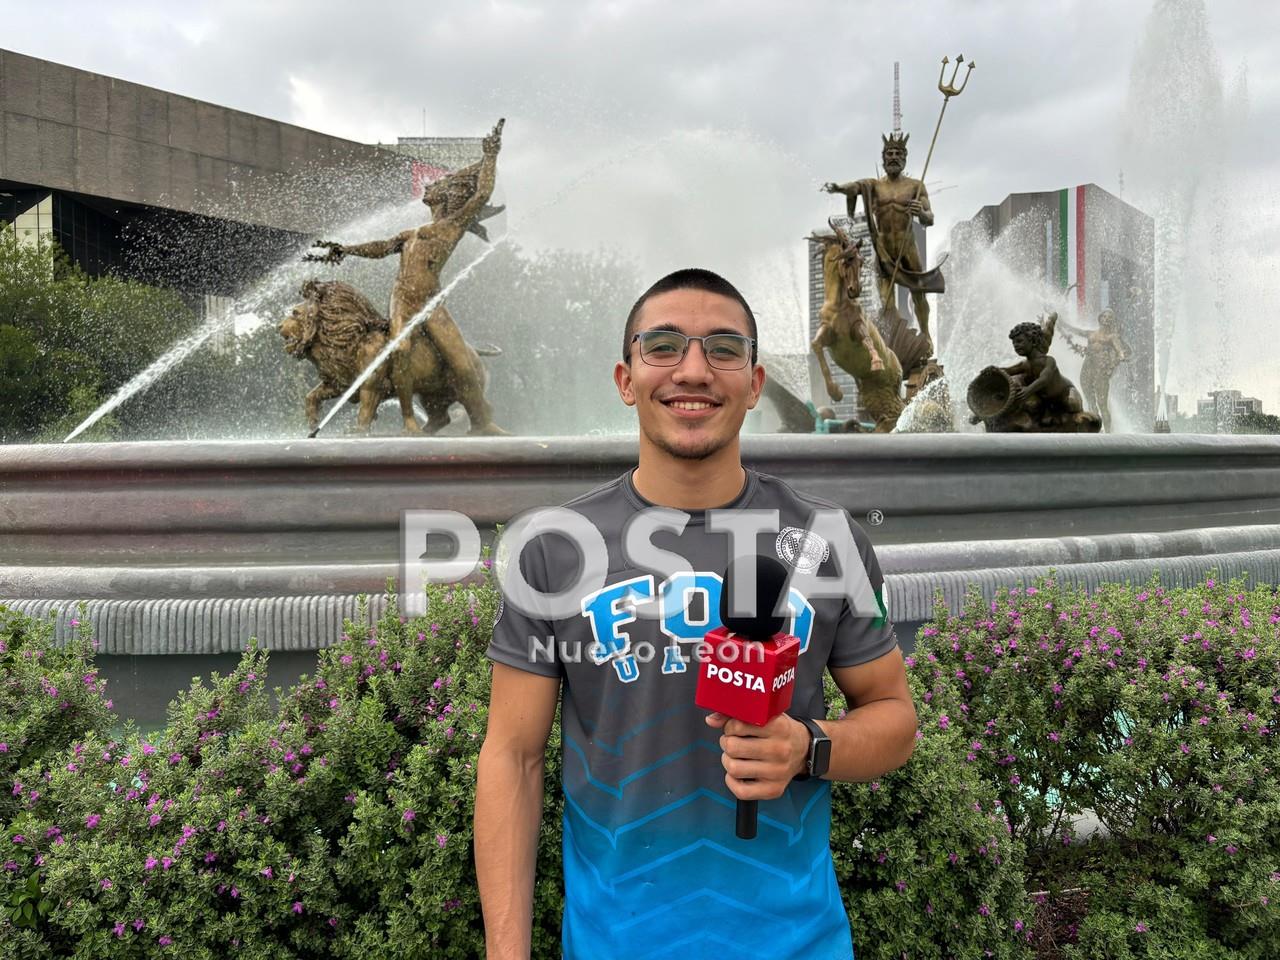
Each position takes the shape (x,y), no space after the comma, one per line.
(724,351)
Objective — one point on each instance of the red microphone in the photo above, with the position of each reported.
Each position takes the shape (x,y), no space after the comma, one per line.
(748,665)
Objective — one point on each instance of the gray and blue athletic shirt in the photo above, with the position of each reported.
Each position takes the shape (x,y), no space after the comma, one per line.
(652,866)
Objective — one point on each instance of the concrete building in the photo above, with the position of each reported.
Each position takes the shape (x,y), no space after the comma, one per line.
(176,191)
(1079,239)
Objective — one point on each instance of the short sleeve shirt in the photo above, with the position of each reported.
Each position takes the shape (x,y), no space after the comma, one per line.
(652,865)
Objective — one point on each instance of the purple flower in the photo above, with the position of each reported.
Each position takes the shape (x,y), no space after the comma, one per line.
(104,883)
(984,910)
(118,929)
(266,872)
(154,820)
(92,820)
(150,864)
(1140,927)
(164,941)
(441,839)
(139,924)
(297,906)
(944,721)
(408,815)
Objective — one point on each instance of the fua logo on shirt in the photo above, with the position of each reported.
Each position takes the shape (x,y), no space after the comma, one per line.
(803,549)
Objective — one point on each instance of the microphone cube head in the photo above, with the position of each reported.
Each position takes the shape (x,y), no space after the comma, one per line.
(749,680)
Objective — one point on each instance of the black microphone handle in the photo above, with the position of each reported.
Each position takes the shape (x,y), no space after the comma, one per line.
(747,810)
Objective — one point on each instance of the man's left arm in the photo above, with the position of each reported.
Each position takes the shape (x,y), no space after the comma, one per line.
(878,734)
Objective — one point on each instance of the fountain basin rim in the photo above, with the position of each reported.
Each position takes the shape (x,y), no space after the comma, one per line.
(552,450)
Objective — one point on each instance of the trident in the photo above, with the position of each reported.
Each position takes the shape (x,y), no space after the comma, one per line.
(948,90)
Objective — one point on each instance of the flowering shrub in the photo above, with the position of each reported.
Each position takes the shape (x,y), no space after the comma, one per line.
(49,696)
(1154,711)
(338,823)
(925,857)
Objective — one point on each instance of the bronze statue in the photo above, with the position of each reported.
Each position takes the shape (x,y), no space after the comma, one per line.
(855,342)
(340,332)
(1103,352)
(1030,396)
(458,202)
(893,202)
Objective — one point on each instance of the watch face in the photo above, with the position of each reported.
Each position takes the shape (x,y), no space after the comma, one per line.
(821,757)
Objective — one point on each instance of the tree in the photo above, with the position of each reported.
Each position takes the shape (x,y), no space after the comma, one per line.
(1255,423)
(68,341)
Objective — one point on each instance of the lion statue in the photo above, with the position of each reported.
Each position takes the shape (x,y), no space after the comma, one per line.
(340,332)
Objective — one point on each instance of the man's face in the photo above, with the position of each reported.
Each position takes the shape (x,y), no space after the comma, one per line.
(690,410)
(895,159)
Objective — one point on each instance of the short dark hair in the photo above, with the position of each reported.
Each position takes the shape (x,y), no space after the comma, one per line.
(1032,328)
(690,278)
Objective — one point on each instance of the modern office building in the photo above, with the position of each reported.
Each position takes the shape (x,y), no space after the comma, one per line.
(1082,240)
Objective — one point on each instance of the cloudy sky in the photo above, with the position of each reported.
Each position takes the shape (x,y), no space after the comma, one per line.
(699,132)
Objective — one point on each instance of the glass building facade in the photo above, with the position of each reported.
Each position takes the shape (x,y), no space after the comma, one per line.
(89,237)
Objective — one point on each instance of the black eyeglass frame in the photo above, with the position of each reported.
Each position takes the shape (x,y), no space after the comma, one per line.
(703,343)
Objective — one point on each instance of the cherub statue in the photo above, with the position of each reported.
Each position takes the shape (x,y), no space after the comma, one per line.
(1031,395)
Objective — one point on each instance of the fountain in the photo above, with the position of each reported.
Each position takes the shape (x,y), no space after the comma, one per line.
(186,548)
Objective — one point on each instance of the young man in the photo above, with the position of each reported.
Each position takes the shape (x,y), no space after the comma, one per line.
(652,865)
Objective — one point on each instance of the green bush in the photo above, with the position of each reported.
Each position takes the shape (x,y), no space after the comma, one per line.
(1156,712)
(339,823)
(49,697)
(925,857)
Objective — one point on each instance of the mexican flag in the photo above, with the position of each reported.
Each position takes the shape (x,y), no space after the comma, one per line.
(1071,248)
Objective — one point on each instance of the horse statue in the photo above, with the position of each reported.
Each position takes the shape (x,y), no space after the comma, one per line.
(854,342)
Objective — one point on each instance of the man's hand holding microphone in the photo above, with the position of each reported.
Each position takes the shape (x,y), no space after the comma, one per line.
(747,679)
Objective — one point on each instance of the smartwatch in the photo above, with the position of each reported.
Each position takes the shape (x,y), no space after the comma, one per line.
(819,758)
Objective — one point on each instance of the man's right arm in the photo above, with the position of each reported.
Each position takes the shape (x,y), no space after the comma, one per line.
(508,815)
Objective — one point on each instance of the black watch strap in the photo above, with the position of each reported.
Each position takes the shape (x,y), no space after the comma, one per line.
(819,759)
